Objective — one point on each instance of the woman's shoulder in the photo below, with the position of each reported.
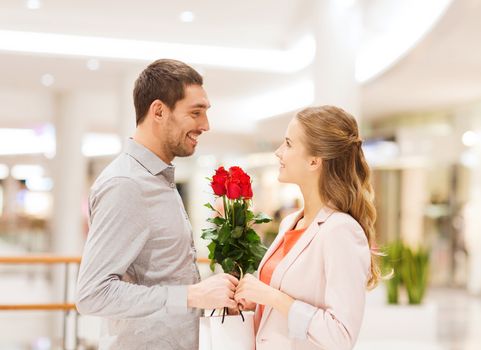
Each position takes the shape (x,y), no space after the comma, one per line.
(340,224)
(339,218)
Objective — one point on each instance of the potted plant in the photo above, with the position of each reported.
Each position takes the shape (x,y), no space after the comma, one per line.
(415,272)
(405,316)
(391,268)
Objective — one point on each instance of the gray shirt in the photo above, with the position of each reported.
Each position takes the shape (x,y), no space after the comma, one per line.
(139,256)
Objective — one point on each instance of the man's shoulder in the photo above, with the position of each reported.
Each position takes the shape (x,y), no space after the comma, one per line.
(123,169)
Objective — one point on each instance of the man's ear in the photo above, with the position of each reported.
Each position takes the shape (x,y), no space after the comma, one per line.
(157,110)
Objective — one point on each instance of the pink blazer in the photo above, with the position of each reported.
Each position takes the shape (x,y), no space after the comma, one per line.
(326,272)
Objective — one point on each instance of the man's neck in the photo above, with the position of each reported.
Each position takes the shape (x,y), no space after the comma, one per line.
(151,143)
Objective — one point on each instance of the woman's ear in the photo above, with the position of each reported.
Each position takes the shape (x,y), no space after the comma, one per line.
(315,163)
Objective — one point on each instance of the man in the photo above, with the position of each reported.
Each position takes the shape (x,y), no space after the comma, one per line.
(139,267)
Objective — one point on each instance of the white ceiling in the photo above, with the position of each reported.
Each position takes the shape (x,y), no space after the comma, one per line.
(443,69)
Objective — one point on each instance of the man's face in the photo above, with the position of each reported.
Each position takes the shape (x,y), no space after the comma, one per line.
(187,121)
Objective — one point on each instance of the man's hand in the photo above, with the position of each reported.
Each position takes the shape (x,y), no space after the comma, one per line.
(213,293)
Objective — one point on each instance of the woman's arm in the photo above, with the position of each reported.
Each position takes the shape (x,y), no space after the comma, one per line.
(336,325)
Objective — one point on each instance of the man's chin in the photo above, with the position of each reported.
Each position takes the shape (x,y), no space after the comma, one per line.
(185,153)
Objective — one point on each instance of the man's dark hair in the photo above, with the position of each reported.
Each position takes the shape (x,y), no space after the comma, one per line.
(163,80)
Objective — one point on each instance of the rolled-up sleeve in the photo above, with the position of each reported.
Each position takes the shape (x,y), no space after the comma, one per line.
(119,229)
(336,325)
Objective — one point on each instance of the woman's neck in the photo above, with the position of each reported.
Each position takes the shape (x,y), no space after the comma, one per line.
(312,205)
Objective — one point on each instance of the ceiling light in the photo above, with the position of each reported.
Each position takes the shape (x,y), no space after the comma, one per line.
(283,99)
(297,57)
(26,141)
(98,144)
(33,4)
(93,64)
(41,184)
(24,171)
(470,138)
(3,171)
(187,16)
(47,80)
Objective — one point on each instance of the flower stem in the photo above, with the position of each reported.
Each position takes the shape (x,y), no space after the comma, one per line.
(225,207)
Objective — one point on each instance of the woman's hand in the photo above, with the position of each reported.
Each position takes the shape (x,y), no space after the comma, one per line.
(255,291)
(245,305)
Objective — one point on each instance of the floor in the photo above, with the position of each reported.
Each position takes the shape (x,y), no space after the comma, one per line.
(456,323)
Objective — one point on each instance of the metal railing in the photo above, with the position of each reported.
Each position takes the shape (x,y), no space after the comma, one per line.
(65,306)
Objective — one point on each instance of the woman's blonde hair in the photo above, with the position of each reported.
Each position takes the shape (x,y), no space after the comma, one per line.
(332,134)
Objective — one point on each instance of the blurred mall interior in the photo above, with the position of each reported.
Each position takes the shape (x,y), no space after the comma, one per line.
(410,71)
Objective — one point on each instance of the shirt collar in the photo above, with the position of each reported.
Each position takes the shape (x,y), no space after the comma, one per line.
(149,160)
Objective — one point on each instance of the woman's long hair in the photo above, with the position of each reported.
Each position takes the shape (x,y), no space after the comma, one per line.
(332,134)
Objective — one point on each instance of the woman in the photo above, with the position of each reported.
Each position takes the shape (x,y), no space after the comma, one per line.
(314,276)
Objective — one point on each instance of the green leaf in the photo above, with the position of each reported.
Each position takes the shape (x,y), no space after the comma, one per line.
(249,215)
(208,205)
(218,221)
(209,233)
(237,232)
(236,254)
(224,233)
(228,265)
(262,218)
(252,236)
(212,265)
(226,249)
(258,250)
(211,247)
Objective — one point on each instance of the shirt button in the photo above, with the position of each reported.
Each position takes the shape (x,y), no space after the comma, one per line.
(172,185)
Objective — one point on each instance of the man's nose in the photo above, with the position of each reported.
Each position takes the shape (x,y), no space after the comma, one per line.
(204,124)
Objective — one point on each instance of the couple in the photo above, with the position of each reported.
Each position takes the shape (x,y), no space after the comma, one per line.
(139,269)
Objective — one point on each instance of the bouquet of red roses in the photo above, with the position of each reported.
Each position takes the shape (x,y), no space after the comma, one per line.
(235,245)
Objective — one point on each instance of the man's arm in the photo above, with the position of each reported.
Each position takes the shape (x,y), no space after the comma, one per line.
(118,231)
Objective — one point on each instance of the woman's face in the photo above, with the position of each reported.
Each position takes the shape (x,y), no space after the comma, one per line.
(295,163)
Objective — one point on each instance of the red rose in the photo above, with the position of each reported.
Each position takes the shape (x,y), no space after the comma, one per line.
(246,191)
(218,187)
(219,180)
(221,172)
(246,188)
(236,172)
(243,180)
(233,188)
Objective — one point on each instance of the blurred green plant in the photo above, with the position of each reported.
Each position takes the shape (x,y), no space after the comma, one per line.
(391,267)
(405,267)
(415,273)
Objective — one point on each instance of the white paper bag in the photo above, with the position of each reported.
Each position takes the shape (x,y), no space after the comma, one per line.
(233,334)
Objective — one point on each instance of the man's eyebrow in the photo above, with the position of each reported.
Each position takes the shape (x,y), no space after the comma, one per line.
(201,105)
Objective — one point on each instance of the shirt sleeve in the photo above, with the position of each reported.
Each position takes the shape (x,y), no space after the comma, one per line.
(347,264)
(119,229)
